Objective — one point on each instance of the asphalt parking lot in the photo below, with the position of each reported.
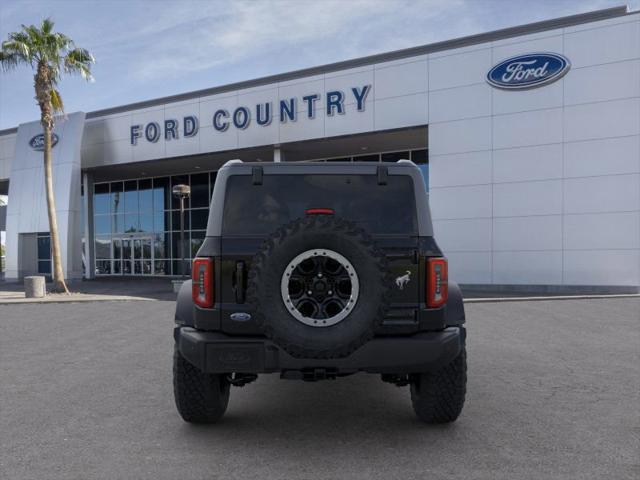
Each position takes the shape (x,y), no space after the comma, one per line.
(85,392)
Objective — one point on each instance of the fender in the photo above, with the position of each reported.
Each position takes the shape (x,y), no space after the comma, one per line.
(184,305)
(455,306)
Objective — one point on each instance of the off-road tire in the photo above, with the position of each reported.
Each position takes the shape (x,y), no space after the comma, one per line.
(200,397)
(438,397)
(269,264)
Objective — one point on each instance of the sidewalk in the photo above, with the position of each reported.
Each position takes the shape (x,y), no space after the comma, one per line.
(104,289)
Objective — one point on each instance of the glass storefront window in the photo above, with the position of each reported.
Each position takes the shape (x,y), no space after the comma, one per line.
(175,245)
(102,224)
(160,243)
(103,267)
(44,247)
(420,156)
(161,222)
(367,158)
(145,195)
(44,253)
(199,218)
(175,220)
(162,267)
(116,197)
(103,247)
(146,222)
(200,190)
(44,266)
(395,156)
(131,203)
(117,248)
(131,223)
(161,194)
(101,199)
(117,223)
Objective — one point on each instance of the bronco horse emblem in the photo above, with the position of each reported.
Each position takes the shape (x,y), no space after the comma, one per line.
(403,280)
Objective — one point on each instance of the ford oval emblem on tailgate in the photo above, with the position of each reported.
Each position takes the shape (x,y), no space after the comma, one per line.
(240,317)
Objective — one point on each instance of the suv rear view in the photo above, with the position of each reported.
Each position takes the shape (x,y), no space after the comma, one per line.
(317,271)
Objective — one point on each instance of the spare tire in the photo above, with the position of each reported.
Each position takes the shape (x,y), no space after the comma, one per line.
(319,286)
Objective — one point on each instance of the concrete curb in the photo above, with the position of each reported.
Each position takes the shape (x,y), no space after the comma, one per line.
(75,299)
(548,298)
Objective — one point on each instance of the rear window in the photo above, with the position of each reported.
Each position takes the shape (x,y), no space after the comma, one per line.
(260,209)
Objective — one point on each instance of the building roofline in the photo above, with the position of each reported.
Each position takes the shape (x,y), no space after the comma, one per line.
(494,35)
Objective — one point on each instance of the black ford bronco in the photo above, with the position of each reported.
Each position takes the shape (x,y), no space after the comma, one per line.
(317,271)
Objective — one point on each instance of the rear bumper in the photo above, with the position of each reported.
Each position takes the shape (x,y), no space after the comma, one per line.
(214,352)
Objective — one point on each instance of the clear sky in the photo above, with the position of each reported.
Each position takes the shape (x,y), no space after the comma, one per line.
(149,49)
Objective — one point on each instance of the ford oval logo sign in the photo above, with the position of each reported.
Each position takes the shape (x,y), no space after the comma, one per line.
(37,142)
(528,71)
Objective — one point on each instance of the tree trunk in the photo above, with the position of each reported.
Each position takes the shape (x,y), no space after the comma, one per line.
(59,284)
(43,86)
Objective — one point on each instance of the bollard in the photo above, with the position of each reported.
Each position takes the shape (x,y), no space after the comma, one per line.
(34,287)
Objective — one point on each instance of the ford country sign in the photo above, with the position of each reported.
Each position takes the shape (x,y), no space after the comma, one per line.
(528,71)
(37,142)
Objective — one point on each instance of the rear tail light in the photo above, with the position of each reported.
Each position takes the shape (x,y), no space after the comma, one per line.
(437,282)
(202,282)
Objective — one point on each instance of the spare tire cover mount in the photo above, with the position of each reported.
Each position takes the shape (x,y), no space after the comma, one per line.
(320,287)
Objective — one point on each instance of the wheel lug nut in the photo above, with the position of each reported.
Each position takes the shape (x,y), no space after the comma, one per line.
(330,292)
(309,292)
(319,275)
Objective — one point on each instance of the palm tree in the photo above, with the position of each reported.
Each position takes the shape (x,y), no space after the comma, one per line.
(50,55)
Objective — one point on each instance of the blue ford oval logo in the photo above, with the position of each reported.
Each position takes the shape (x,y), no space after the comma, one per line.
(528,71)
(240,317)
(37,142)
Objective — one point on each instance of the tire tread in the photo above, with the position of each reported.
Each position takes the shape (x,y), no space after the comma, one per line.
(200,397)
(438,397)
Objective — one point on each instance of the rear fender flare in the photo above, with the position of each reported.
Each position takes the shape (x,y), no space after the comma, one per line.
(184,305)
(455,306)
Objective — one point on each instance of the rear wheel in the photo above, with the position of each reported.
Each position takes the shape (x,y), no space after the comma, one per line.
(438,397)
(200,397)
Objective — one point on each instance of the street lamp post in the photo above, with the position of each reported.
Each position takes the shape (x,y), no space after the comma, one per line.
(181,192)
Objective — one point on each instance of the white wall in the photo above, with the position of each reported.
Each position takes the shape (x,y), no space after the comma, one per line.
(27,206)
(540,186)
(7,151)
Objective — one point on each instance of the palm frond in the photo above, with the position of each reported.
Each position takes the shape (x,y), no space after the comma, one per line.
(19,47)
(79,61)
(47,26)
(56,101)
(9,61)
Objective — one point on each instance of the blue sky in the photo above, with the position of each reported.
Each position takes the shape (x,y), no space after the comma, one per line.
(149,49)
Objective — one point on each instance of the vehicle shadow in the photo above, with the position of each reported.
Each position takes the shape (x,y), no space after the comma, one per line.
(356,410)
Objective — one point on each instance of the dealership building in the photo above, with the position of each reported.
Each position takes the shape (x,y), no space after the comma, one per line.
(528,138)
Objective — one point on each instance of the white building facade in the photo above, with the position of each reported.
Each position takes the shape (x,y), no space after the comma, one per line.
(532,183)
